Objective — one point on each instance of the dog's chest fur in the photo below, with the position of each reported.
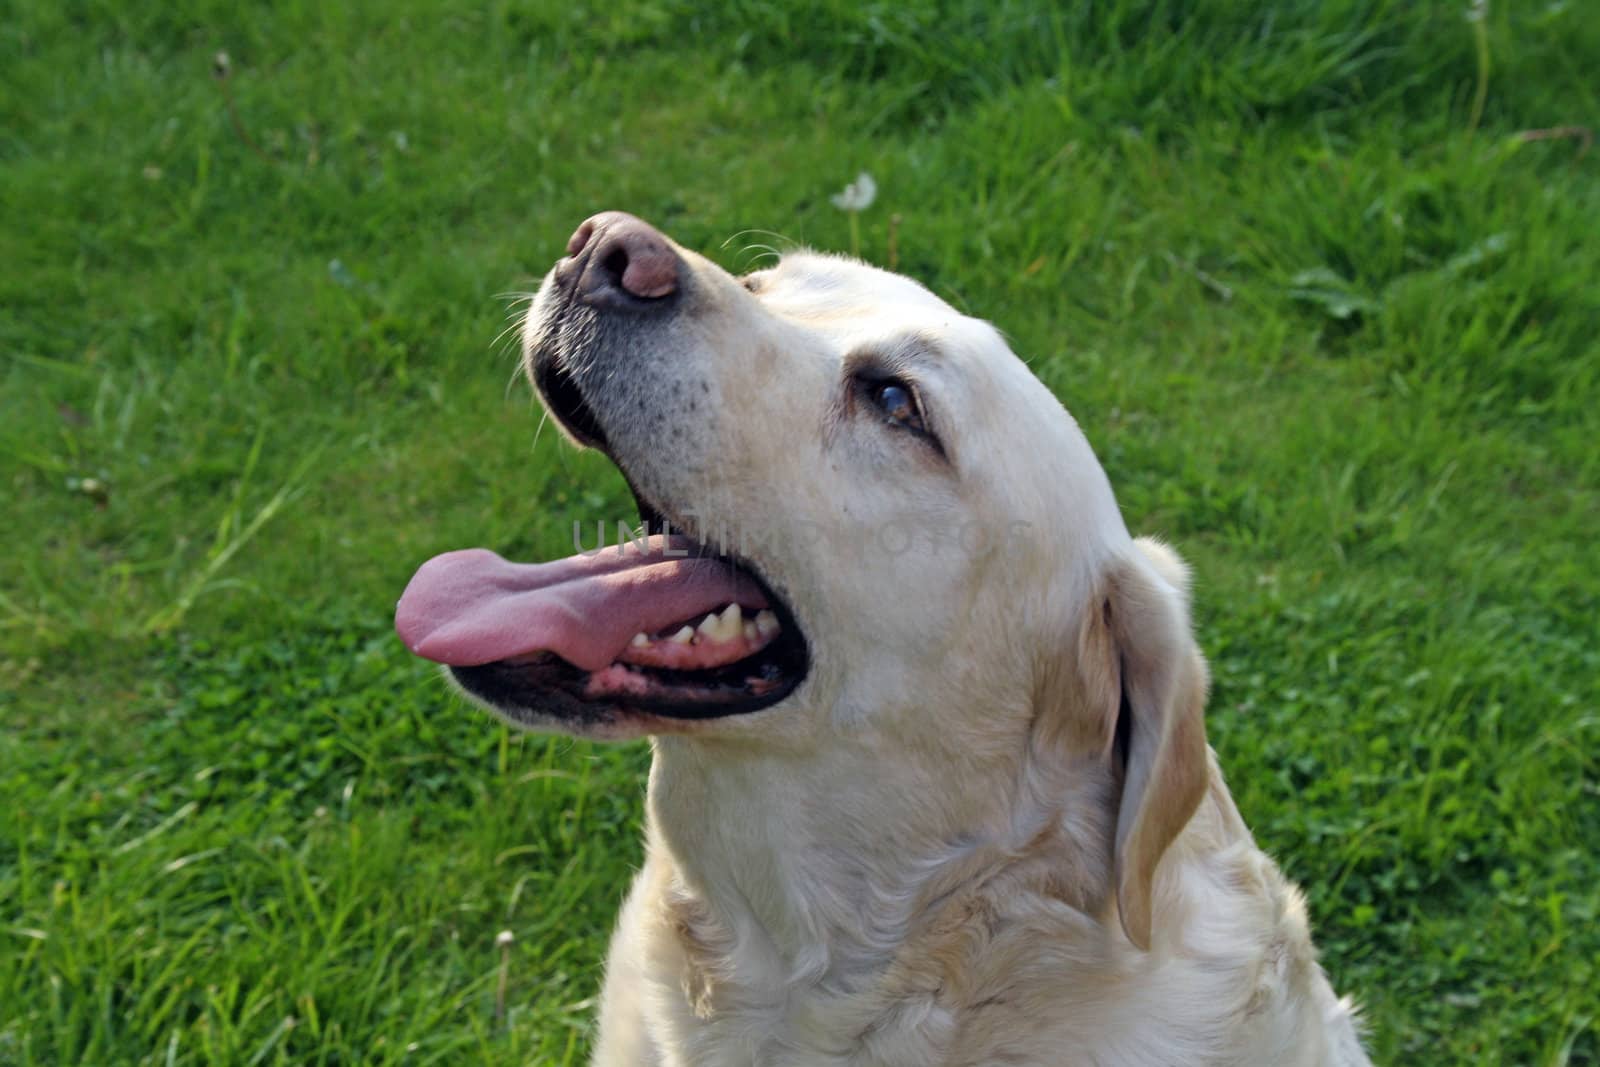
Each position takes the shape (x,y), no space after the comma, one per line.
(1013,968)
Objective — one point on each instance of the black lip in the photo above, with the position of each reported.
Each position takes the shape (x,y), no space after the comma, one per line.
(551,686)
(564,400)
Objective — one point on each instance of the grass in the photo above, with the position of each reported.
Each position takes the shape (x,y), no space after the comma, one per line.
(1325,308)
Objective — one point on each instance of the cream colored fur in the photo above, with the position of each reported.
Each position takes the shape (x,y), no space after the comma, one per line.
(987,829)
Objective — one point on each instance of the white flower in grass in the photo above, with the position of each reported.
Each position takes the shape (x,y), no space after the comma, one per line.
(858,195)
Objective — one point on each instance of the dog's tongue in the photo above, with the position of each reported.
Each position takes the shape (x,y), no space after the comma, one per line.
(472,607)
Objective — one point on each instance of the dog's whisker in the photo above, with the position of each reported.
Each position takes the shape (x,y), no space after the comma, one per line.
(765,249)
(762,252)
(544,417)
(781,238)
(502,335)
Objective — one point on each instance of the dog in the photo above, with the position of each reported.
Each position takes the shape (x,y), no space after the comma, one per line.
(930,780)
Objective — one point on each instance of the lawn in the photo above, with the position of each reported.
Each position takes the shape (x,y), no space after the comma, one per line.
(1321,281)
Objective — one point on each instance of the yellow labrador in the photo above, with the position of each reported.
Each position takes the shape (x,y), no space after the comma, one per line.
(931,782)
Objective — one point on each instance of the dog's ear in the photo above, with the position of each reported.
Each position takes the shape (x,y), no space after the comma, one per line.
(1146,687)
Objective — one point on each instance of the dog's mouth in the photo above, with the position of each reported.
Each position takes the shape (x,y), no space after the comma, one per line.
(658,625)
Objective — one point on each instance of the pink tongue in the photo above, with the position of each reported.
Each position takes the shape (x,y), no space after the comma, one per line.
(472,607)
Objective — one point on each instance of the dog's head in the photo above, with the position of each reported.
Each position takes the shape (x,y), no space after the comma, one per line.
(873,526)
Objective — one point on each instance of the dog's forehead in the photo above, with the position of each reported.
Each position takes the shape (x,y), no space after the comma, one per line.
(826,286)
(862,305)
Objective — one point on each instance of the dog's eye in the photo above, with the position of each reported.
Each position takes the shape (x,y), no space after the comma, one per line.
(893,400)
(898,402)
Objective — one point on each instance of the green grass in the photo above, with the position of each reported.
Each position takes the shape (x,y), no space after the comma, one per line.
(1331,338)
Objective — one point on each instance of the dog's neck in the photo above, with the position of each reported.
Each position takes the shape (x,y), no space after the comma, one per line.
(827,864)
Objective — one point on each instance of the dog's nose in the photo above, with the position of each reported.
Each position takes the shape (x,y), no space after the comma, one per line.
(627,258)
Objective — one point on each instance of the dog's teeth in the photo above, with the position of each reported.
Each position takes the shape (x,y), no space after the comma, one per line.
(731,623)
(767,623)
(710,627)
(751,634)
(639,640)
(683,636)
